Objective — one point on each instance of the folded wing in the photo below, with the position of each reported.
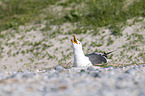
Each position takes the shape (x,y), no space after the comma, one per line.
(96,58)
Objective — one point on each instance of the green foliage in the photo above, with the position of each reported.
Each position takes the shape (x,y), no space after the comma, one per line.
(106,12)
(19,12)
(4,66)
(138,36)
(142,55)
(99,13)
(96,44)
(116,30)
(73,15)
(79,31)
(90,13)
(110,41)
(23,52)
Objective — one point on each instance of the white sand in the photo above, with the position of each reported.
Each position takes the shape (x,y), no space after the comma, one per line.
(61,49)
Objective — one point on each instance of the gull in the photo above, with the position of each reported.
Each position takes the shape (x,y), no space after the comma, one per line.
(82,60)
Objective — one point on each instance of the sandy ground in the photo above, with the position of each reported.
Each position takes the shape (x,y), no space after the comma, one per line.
(30,48)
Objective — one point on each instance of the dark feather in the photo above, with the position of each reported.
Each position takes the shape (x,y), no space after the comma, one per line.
(105,54)
(98,58)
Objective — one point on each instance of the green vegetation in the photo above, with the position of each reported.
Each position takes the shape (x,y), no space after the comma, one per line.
(18,12)
(90,13)
(4,66)
(96,44)
(50,18)
(110,41)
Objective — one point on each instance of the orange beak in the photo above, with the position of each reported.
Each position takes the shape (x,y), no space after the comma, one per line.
(75,40)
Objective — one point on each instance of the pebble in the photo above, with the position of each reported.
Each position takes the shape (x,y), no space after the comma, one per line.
(96,74)
(91,68)
(75,82)
(59,68)
(122,77)
(143,65)
(131,71)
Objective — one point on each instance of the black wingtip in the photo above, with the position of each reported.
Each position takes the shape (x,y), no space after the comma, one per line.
(105,54)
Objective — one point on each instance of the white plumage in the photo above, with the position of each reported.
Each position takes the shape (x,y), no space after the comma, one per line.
(82,60)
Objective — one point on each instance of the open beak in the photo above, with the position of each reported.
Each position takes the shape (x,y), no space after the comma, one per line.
(75,40)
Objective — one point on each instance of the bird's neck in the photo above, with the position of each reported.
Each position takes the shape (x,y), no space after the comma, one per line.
(78,53)
(79,58)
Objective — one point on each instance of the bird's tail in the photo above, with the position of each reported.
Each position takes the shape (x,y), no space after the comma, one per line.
(105,54)
(111,52)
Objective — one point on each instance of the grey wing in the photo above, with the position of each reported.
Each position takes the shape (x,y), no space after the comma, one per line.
(96,58)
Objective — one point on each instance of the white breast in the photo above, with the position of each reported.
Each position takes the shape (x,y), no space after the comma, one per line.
(82,62)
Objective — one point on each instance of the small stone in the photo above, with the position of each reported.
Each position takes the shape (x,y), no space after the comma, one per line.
(122,67)
(121,77)
(59,68)
(96,74)
(141,92)
(131,71)
(135,67)
(110,68)
(28,75)
(90,68)
(82,70)
(140,66)
(143,65)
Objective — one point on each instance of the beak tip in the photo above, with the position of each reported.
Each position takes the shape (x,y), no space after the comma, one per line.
(75,40)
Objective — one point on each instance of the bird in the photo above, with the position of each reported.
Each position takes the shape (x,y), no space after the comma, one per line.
(82,60)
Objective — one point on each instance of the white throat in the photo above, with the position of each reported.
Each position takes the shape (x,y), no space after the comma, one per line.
(80,60)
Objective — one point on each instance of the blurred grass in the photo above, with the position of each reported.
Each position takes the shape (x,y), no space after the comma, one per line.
(18,12)
(92,13)
(99,13)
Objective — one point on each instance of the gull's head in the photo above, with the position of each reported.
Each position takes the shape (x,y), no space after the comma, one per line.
(80,60)
(76,44)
